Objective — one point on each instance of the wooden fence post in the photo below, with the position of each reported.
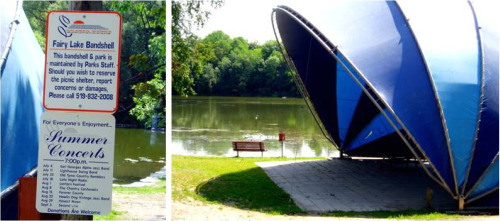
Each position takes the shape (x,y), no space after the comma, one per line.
(82,6)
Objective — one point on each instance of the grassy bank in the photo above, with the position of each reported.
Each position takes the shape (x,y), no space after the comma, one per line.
(231,181)
(159,187)
(240,183)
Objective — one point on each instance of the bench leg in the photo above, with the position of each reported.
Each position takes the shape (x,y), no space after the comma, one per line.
(237,153)
(261,153)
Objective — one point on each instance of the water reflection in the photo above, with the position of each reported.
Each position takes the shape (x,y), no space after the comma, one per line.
(205,126)
(138,153)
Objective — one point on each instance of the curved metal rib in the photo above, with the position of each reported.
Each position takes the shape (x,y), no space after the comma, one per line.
(436,97)
(331,48)
(481,97)
(14,24)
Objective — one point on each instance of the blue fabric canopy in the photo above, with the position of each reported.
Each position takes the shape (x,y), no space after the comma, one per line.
(387,78)
(21,90)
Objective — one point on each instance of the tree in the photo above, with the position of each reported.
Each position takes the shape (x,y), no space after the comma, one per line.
(186,60)
(235,67)
(142,61)
(143,87)
(36,11)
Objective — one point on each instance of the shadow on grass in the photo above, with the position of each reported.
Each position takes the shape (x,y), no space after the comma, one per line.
(404,214)
(252,189)
(249,189)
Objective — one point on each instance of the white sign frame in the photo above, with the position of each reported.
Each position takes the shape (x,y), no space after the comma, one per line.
(75,163)
(82,61)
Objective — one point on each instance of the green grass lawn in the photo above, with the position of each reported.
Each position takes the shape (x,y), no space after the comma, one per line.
(399,215)
(159,187)
(113,215)
(239,182)
(230,181)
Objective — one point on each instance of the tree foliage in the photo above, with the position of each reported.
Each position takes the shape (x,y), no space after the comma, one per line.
(235,67)
(36,11)
(220,65)
(143,51)
(187,59)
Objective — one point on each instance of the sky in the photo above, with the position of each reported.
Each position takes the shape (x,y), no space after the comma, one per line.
(250,19)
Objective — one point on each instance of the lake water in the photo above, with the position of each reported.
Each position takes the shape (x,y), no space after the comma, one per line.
(206,126)
(138,153)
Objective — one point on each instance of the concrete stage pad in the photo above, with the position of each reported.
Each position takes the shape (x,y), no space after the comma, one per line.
(356,185)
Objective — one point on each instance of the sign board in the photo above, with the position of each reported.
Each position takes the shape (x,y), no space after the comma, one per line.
(82,61)
(75,163)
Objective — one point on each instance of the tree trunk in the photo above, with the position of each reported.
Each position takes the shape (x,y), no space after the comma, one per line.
(82,6)
(85,5)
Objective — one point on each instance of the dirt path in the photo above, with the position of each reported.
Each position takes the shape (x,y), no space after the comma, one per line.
(209,212)
(195,210)
(140,206)
(152,207)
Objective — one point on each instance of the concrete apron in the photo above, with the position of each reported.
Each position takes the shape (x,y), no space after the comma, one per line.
(321,186)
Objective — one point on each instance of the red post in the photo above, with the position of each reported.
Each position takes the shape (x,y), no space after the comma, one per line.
(281,138)
(27,202)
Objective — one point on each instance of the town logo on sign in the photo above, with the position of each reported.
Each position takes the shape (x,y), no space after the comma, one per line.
(64,24)
(79,27)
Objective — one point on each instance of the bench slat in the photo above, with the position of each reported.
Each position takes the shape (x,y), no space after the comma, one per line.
(248,146)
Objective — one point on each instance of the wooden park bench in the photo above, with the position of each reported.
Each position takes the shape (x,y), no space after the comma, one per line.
(248,146)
